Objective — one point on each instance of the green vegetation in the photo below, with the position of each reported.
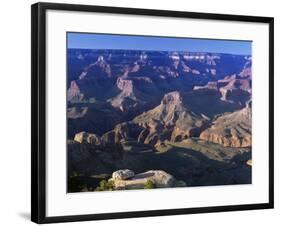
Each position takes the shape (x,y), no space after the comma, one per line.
(149,185)
(105,185)
(80,182)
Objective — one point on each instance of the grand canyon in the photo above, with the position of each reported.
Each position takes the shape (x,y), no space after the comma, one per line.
(157,119)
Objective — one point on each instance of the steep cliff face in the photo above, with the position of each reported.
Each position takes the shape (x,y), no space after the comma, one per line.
(126,99)
(122,131)
(98,69)
(231,88)
(236,90)
(231,130)
(171,120)
(91,82)
(74,93)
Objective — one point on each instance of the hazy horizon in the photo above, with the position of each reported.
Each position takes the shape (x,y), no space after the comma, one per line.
(152,43)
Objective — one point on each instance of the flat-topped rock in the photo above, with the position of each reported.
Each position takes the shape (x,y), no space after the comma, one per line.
(122,174)
(159,178)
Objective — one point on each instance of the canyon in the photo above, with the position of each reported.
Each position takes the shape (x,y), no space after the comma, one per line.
(184,114)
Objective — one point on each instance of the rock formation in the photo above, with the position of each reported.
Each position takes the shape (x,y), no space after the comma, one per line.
(231,130)
(159,178)
(186,114)
(123,174)
(90,138)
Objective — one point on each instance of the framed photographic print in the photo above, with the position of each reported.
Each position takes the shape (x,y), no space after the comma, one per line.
(139,112)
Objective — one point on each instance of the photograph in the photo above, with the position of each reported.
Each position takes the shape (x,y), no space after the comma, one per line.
(149,112)
(141,112)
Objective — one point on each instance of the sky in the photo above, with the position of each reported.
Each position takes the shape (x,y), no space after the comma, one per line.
(133,42)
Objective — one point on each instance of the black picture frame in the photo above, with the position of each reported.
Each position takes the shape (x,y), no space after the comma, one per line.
(38,111)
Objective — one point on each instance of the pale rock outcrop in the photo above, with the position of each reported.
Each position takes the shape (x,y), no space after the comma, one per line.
(159,178)
(84,137)
(213,72)
(175,59)
(122,174)
(209,85)
(125,85)
(234,85)
(247,70)
(126,98)
(74,93)
(249,162)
